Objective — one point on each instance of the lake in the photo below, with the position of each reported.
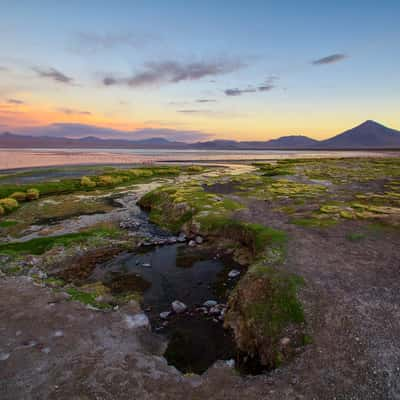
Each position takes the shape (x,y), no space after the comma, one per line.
(25,158)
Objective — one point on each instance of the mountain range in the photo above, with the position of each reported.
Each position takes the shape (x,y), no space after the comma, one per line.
(368,135)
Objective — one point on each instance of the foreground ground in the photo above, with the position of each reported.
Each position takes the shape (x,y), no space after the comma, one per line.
(344,246)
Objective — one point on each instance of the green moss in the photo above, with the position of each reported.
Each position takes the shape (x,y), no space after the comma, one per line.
(87,182)
(307,339)
(313,222)
(39,246)
(12,271)
(347,170)
(87,298)
(9,204)
(268,169)
(174,206)
(114,177)
(330,209)
(261,308)
(7,223)
(54,282)
(32,194)
(279,305)
(19,196)
(355,237)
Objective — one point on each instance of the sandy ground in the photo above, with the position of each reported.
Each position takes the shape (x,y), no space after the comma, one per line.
(15,158)
(51,348)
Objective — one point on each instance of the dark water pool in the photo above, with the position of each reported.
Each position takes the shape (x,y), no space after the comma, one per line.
(176,272)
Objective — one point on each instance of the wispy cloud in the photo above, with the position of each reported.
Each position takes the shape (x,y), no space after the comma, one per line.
(238,92)
(331,59)
(156,73)
(53,74)
(71,111)
(93,42)
(194,111)
(206,101)
(15,101)
(263,87)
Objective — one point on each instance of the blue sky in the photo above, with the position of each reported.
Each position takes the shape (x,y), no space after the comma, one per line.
(211,69)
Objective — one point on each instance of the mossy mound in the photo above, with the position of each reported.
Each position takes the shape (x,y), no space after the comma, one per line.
(9,204)
(185,207)
(266,316)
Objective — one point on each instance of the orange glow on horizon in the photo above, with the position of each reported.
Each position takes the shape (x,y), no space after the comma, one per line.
(258,128)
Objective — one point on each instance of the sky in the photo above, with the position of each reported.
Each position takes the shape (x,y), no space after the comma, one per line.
(191,70)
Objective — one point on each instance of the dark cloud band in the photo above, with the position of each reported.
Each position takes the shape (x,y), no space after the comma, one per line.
(173,72)
(53,74)
(331,59)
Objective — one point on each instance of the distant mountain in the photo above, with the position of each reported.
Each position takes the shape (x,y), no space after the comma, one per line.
(284,142)
(9,140)
(296,142)
(368,135)
(217,144)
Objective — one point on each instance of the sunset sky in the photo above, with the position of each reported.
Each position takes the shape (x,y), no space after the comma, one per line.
(198,70)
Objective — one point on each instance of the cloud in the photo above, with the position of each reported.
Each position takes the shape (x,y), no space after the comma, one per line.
(71,111)
(331,59)
(194,111)
(206,101)
(189,111)
(156,73)
(54,74)
(263,87)
(238,92)
(3,68)
(15,101)
(94,42)
(76,130)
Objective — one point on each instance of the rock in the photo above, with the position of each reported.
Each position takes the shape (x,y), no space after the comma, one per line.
(165,314)
(4,356)
(178,306)
(181,238)
(285,341)
(210,303)
(295,380)
(233,273)
(137,321)
(129,224)
(38,273)
(133,307)
(104,298)
(215,310)
(230,363)
(192,243)
(57,297)
(58,334)
(198,239)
